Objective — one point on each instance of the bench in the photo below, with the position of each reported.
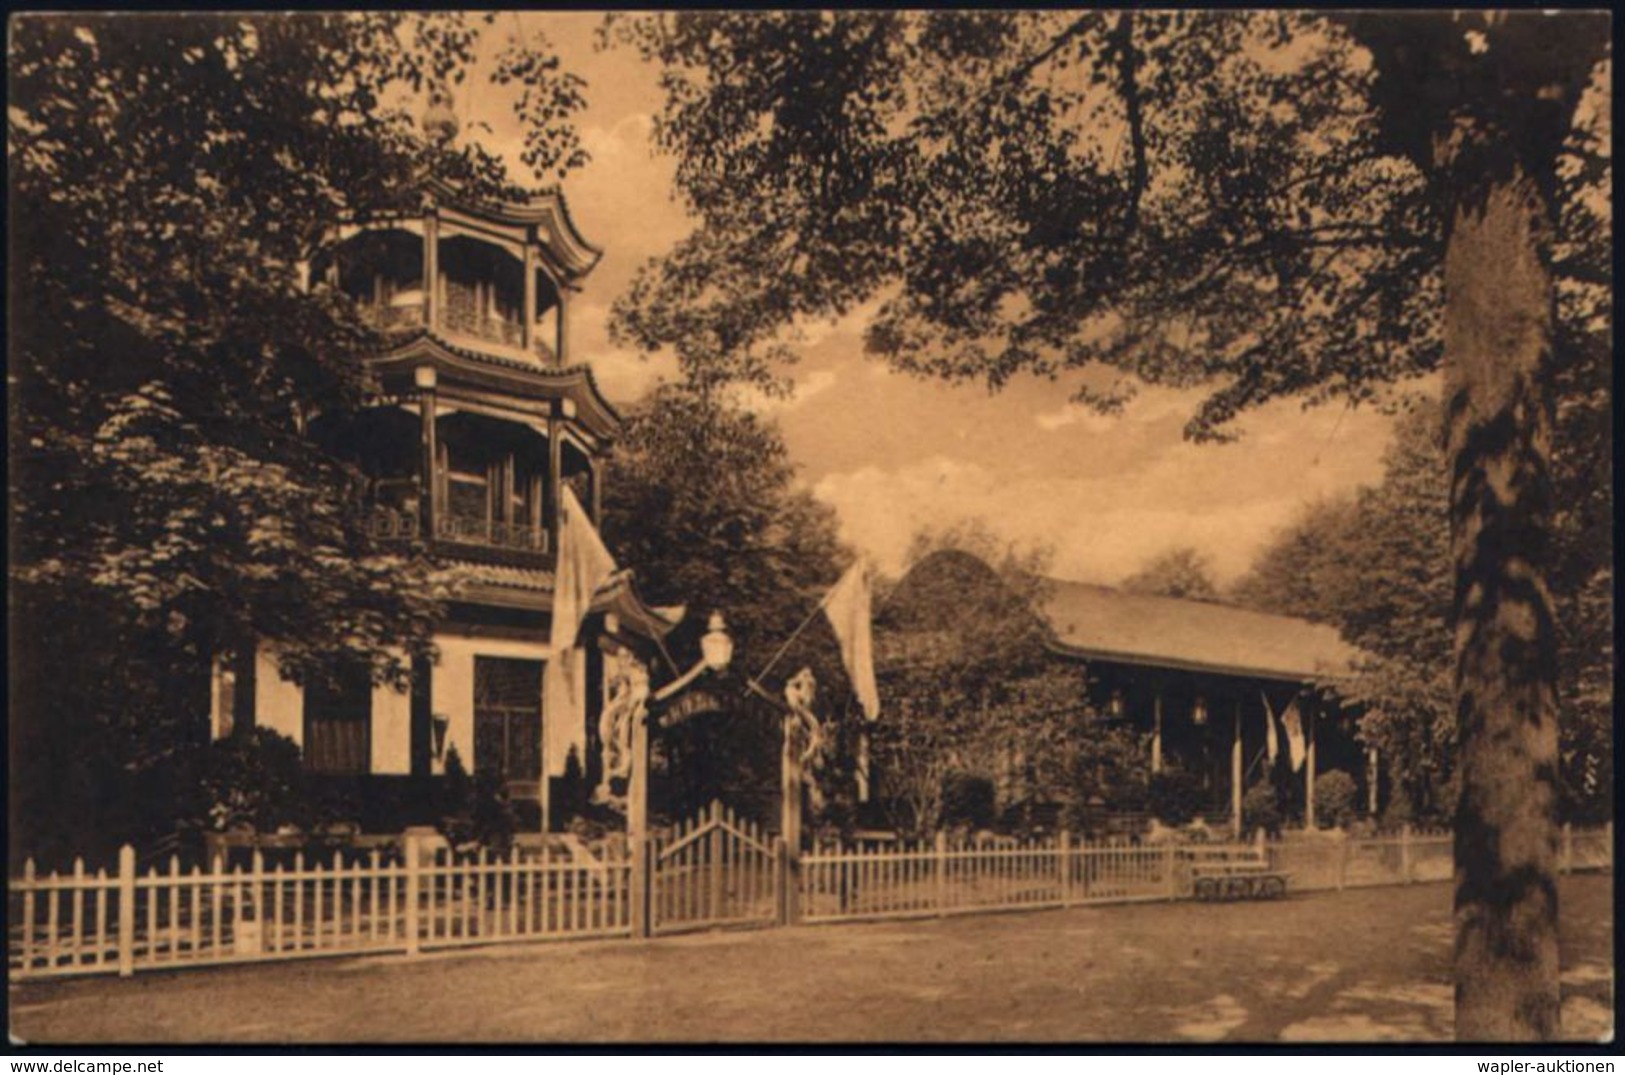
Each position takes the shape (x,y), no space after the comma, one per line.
(1231,876)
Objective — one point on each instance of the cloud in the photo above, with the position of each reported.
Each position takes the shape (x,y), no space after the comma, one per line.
(625,377)
(806,388)
(1148,404)
(1105,522)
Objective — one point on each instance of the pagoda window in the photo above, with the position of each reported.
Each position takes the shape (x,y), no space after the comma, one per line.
(492,497)
(508,718)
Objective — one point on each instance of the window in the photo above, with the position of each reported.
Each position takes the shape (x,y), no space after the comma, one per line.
(338,722)
(508,718)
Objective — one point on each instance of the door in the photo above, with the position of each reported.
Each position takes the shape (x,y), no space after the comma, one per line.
(508,722)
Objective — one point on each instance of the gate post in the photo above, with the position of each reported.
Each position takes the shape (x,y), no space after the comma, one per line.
(781,907)
(716,842)
(1405,853)
(642,848)
(126,912)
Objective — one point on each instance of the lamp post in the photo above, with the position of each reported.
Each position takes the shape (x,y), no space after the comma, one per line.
(716,651)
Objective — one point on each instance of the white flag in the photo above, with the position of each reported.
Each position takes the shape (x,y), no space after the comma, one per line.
(1294,734)
(848,610)
(583,566)
(1271,741)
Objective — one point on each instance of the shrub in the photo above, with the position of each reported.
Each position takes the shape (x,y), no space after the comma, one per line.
(967,799)
(1335,798)
(252,779)
(474,811)
(1174,797)
(1261,809)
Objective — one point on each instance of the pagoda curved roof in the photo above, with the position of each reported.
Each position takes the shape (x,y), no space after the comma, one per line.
(516,377)
(546,210)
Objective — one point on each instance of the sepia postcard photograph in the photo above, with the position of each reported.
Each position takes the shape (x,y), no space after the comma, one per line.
(799,528)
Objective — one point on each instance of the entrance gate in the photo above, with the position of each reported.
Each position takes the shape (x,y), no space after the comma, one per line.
(715,869)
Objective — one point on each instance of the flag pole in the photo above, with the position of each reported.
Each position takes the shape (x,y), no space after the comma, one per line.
(794,635)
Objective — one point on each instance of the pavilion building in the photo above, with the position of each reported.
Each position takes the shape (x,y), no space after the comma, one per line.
(474,425)
(1197,681)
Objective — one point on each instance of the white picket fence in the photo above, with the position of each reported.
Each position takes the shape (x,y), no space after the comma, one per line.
(715,870)
(937,878)
(162,917)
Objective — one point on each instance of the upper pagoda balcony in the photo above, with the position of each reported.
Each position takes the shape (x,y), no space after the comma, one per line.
(495,279)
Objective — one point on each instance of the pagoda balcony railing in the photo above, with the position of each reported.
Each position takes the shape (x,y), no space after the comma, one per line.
(388,524)
(478,530)
(394,318)
(460,318)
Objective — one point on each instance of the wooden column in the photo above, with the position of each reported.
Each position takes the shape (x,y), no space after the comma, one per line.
(431,270)
(554,494)
(637,824)
(424,377)
(1373,775)
(559,333)
(597,477)
(1309,764)
(244,668)
(527,326)
(1236,776)
(1156,731)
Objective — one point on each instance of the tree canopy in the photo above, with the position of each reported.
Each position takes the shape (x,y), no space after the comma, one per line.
(701,500)
(1261,203)
(1181,572)
(970,687)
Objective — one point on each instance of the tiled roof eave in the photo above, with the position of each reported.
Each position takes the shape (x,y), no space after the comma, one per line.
(549,377)
(1184,664)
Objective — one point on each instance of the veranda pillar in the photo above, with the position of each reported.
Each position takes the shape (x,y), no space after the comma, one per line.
(1236,775)
(1309,710)
(1156,732)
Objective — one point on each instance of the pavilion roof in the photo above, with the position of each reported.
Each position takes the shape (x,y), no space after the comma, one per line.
(1101,623)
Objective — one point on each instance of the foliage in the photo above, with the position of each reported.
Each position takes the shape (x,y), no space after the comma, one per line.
(1182,572)
(1175,796)
(253,780)
(1336,799)
(1262,203)
(967,679)
(1109,761)
(968,799)
(171,176)
(1261,809)
(1376,565)
(475,811)
(701,496)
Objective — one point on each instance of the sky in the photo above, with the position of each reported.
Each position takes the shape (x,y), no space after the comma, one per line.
(892,453)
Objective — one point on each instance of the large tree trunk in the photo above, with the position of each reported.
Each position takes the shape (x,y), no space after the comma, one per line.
(1498,350)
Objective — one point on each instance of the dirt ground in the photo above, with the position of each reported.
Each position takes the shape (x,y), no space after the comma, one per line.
(1362,965)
